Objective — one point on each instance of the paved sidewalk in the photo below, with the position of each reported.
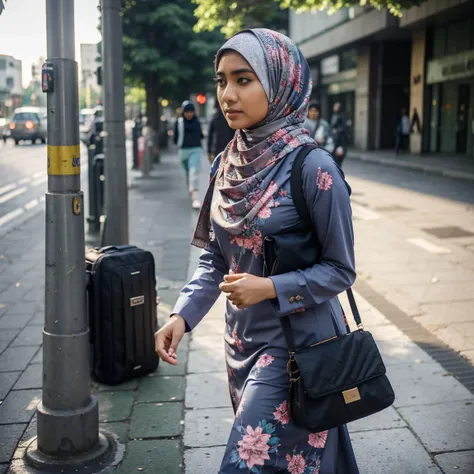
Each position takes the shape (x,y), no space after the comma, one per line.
(454,166)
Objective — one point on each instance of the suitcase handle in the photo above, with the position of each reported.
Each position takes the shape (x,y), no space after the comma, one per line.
(115,247)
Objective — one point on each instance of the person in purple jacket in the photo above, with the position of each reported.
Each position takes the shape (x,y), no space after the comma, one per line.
(263,87)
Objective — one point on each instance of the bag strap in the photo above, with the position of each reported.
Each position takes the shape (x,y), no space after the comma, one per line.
(296,183)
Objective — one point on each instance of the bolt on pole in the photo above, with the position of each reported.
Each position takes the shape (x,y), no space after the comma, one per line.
(67,416)
(115,163)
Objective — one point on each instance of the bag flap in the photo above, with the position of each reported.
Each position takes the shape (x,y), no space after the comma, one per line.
(339,364)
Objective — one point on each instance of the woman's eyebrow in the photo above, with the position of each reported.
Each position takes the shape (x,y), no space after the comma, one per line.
(237,71)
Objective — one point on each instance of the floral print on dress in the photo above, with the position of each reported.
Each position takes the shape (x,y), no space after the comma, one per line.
(318,440)
(324,180)
(237,341)
(265,360)
(296,464)
(255,447)
(299,464)
(282,413)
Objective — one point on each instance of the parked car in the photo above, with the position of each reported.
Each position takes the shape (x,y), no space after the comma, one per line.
(85,120)
(28,123)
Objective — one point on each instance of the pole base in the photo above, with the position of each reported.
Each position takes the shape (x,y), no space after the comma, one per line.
(107,453)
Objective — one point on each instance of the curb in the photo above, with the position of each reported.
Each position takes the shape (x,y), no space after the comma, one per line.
(413,166)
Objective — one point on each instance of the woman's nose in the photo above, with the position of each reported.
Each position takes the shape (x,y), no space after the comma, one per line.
(230,94)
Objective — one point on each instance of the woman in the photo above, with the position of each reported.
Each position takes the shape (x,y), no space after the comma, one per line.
(188,136)
(263,86)
(317,127)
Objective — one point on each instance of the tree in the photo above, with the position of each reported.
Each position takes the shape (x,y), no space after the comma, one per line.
(231,15)
(163,54)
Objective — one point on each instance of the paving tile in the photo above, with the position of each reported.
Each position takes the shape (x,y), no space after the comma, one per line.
(207,391)
(9,437)
(209,427)
(125,386)
(156,420)
(394,451)
(38,358)
(115,406)
(38,319)
(402,351)
(161,389)
(385,419)
(29,336)
(32,377)
(456,463)
(6,337)
(19,406)
(28,309)
(16,358)
(203,343)
(209,327)
(206,361)
(200,460)
(168,369)
(14,321)
(425,384)
(152,456)
(119,428)
(443,427)
(7,380)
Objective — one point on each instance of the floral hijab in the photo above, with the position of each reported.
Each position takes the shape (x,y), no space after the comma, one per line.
(240,187)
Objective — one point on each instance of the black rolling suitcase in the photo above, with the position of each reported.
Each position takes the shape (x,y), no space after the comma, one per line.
(122,312)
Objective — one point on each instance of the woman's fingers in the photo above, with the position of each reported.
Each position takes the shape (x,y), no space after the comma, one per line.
(162,349)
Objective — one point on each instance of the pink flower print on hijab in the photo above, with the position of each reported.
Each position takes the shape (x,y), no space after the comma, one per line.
(324,180)
(318,440)
(296,464)
(282,413)
(253,448)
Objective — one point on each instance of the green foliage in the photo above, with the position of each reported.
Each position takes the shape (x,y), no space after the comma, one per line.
(232,15)
(161,49)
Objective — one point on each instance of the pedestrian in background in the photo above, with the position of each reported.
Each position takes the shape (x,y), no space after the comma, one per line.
(188,136)
(339,134)
(317,127)
(263,87)
(220,134)
(402,133)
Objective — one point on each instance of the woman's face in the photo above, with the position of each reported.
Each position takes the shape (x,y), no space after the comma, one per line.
(313,113)
(240,94)
(188,114)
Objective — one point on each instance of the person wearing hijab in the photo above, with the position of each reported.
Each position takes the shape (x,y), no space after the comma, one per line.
(263,87)
(188,136)
(220,134)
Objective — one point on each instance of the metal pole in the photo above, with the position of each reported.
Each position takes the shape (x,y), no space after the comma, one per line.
(68,420)
(116,194)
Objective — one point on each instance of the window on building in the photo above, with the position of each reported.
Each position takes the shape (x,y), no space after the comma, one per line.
(10,82)
(11,64)
(3,64)
(348,60)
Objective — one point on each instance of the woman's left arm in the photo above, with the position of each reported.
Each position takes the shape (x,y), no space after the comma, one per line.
(327,199)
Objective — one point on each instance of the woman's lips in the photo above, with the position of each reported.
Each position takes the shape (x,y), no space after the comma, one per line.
(231,113)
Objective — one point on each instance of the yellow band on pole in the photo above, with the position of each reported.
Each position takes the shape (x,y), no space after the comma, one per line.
(64,160)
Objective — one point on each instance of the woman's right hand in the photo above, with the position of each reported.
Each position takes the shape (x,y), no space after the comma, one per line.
(168,338)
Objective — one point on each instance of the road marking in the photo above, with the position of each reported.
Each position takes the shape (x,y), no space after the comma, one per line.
(36,182)
(31,204)
(24,180)
(363,213)
(38,174)
(7,188)
(12,195)
(11,215)
(429,246)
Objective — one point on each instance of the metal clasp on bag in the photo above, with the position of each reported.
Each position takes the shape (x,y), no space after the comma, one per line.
(350,396)
(289,368)
(360,327)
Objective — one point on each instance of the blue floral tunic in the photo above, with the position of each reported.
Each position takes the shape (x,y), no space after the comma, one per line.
(263,438)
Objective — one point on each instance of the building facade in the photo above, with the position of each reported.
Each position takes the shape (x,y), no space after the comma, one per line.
(11,89)
(375,64)
(88,74)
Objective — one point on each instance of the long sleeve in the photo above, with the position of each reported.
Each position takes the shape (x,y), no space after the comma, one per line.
(198,296)
(327,198)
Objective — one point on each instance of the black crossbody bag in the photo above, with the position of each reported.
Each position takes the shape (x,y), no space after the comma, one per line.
(341,379)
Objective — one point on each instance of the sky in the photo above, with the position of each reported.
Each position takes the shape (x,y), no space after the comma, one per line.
(23,30)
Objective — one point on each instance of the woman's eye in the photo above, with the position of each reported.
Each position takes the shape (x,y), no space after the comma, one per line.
(243,80)
(219,81)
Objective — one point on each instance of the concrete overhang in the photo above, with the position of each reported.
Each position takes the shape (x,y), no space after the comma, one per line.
(375,24)
(437,13)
